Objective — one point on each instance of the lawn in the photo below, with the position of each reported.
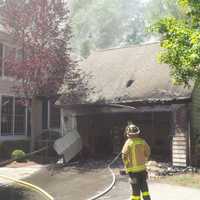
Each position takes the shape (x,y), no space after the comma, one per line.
(189,180)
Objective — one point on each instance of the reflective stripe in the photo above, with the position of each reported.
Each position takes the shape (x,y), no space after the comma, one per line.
(138,142)
(136,169)
(144,194)
(133,197)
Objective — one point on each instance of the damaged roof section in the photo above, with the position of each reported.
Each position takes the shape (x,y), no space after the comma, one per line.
(130,74)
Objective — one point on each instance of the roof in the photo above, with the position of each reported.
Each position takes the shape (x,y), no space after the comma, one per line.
(130,74)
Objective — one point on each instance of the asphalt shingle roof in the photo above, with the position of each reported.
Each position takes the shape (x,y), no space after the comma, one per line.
(131,74)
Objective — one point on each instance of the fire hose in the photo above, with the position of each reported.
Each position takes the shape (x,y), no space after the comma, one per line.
(26,184)
(29,186)
(48,196)
(113,179)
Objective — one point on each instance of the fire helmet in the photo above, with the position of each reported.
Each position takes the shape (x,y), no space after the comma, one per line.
(132,130)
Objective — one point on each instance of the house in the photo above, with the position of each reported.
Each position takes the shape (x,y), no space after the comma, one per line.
(15,129)
(128,84)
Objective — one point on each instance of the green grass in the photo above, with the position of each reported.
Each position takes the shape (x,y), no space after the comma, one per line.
(188,180)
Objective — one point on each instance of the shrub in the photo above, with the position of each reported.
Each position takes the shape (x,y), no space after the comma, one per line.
(7,147)
(18,155)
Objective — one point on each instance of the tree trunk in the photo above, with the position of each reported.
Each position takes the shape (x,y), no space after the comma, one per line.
(36,121)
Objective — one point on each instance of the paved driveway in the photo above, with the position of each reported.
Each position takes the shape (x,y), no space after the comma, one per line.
(72,183)
(80,184)
(121,191)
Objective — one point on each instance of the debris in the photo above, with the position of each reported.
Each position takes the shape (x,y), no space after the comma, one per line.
(60,161)
(156,169)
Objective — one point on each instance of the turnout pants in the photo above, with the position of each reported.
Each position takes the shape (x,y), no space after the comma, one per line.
(139,186)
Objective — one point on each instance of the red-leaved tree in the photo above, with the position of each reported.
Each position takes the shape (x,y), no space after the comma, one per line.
(41,34)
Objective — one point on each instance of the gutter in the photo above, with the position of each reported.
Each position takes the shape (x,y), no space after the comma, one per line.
(130,103)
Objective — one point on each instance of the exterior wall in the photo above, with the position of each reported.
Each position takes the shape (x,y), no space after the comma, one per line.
(181,138)
(6,89)
(195,125)
(6,85)
(196,110)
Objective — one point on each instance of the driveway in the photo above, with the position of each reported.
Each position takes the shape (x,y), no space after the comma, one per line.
(82,183)
(71,183)
(158,191)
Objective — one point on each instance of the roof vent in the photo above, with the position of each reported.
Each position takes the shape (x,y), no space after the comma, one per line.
(129,83)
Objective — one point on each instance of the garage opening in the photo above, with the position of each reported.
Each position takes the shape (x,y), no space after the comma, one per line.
(103,134)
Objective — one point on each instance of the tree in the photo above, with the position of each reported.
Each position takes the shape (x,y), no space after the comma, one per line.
(41,34)
(158,9)
(106,23)
(180,39)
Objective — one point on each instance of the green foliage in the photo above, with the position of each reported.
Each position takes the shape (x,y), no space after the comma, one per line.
(103,24)
(157,9)
(7,147)
(180,39)
(18,155)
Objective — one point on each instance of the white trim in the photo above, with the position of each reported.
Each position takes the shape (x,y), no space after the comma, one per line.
(25,133)
(62,123)
(13,121)
(2,61)
(49,117)
(0,112)
(48,114)
(26,121)
(12,138)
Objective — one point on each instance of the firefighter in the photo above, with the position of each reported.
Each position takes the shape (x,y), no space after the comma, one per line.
(135,153)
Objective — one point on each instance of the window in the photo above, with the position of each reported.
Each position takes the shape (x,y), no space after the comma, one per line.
(50,114)
(13,117)
(54,115)
(7,52)
(20,117)
(7,116)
